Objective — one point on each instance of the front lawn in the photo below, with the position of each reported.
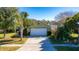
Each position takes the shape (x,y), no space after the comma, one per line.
(13,41)
(19,41)
(65,48)
(11,38)
(11,48)
(7,35)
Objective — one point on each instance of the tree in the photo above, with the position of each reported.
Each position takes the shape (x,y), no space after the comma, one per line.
(21,17)
(7,17)
(69,27)
(23,20)
(71,23)
(61,17)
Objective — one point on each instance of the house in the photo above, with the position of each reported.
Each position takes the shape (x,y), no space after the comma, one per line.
(38,31)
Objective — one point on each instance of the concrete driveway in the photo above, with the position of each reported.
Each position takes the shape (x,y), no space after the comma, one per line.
(37,44)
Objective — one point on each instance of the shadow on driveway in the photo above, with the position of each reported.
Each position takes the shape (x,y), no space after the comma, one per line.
(35,36)
(46,45)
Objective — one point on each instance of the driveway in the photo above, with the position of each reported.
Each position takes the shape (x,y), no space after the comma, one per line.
(37,44)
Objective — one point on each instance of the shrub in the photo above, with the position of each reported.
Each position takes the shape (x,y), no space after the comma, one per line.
(48,33)
(25,32)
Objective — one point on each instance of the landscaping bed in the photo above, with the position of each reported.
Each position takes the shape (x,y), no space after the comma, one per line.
(72,39)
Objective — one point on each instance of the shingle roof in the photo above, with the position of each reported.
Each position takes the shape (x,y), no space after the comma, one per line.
(54,23)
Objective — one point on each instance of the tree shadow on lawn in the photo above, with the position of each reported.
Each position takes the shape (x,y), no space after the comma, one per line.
(2,42)
(46,45)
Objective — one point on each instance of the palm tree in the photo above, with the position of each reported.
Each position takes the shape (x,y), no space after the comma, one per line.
(21,18)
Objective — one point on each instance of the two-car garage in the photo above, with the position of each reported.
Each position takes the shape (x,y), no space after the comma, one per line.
(38,32)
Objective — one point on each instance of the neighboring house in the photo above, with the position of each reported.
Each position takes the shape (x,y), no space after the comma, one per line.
(54,26)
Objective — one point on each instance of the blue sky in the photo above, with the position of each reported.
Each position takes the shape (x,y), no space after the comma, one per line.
(47,13)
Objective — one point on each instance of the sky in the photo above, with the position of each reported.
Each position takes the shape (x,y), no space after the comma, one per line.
(46,13)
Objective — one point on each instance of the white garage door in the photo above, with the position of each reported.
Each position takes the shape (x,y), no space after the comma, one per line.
(38,32)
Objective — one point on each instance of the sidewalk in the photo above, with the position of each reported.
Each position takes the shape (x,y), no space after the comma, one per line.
(12,45)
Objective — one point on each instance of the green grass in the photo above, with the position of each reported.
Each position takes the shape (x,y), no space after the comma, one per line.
(9,40)
(17,41)
(63,48)
(7,35)
(11,48)
(74,35)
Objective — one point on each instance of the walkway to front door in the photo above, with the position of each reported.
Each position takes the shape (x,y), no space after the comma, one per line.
(37,44)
